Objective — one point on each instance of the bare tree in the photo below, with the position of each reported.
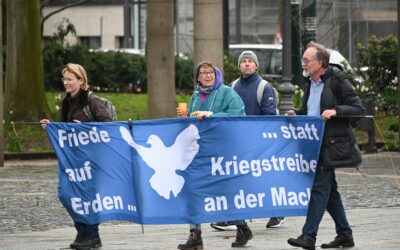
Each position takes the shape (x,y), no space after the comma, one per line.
(45,3)
(24,85)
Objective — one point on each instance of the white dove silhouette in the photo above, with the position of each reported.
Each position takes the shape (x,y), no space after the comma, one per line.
(166,160)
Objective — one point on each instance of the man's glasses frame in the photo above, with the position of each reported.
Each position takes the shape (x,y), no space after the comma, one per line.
(306,61)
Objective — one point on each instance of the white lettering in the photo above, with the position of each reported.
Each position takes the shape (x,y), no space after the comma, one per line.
(76,205)
(278,198)
(216,166)
(257,167)
(300,133)
(244,167)
(97,205)
(250,200)
(74,139)
(211,205)
(282,198)
(80,174)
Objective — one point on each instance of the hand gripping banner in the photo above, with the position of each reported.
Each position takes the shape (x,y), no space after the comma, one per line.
(171,171)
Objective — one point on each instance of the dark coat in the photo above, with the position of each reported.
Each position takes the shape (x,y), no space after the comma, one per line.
(339,141)
(247,90)
(72,108)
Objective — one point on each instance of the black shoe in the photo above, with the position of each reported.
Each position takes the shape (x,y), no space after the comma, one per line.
(243,235)
(87,242)
(79,237)
(275,222)
(340,241)
(224,226)
(194,241)
(303,241)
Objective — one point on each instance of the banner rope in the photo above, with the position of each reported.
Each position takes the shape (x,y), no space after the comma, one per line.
(389,154)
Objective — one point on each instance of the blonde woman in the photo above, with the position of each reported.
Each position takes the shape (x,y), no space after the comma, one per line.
(72,110)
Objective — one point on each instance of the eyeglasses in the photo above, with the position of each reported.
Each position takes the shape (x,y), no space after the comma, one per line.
(66,79)
(306,61)
(206,72)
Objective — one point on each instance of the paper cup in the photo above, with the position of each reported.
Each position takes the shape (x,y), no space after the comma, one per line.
(183,106)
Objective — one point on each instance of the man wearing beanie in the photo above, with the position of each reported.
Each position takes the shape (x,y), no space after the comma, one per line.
(256,102)
(246,86)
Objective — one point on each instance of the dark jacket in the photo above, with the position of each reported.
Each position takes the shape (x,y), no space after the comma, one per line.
(72,108)
(338,147)
(247,90)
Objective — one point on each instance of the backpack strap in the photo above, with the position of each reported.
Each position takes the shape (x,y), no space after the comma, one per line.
(260,92)
(260,89)
(86,108)
(233,84)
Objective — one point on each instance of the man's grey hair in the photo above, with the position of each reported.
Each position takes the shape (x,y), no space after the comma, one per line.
(322,53)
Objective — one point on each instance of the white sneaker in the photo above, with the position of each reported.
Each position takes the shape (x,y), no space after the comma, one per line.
(275,222)
(224,226)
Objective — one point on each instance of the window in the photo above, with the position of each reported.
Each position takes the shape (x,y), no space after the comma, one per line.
(119,42)
(91,42)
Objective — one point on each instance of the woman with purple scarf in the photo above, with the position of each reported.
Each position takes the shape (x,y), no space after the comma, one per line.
(212,98)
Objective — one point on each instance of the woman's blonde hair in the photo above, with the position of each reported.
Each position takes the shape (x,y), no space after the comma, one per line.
(79,72)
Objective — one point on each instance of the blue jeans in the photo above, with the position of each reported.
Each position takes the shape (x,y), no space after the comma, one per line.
(86,229)
(325,195)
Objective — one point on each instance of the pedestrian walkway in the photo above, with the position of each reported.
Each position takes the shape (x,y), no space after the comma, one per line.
(32,217)
(374,228)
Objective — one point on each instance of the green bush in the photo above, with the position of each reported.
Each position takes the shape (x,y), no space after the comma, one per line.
(107,70)
(113,70)
(184,73)
(231,70)
(377,65)
(391,140)
(54,61)
(116,70)
(393,126)
(12,142)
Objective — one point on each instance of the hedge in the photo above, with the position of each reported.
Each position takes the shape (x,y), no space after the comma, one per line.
(115,71)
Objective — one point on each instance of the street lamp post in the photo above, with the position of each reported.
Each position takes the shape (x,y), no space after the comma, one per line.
(286,88)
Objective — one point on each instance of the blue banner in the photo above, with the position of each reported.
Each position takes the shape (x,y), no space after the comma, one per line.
(171,171)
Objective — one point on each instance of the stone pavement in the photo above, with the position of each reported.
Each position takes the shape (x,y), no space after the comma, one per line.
(31,217)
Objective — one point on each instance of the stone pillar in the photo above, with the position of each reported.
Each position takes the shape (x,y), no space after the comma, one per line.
(160,59)
(208,32)
(286,88)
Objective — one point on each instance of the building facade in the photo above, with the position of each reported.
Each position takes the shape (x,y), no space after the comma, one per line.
(97,26)
(339,24)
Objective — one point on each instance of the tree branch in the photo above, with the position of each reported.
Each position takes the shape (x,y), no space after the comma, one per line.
(45,2)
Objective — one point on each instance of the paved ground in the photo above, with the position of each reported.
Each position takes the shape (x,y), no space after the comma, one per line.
(31,217)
